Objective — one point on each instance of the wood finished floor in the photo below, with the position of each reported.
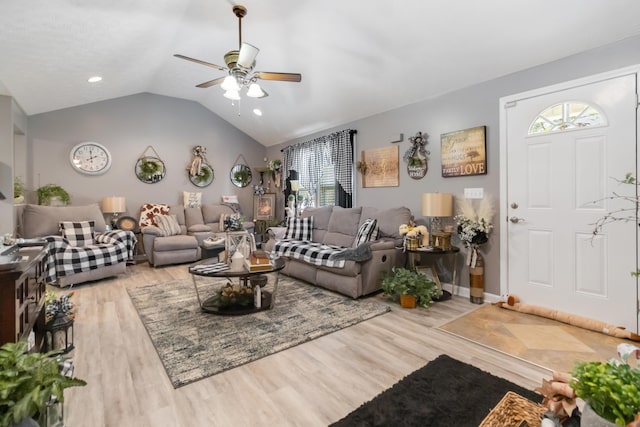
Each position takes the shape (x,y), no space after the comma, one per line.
(313,384)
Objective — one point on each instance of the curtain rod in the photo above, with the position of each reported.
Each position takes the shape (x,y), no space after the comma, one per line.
(351,133)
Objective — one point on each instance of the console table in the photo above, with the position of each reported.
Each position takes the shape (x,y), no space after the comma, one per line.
(22,297)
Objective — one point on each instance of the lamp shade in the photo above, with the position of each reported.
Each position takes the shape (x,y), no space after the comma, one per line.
(113,204)
(295,185)
(437,204)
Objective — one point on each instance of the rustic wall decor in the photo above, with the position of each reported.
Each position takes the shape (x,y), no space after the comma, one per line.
(382,168)
(417,157)
(464,152)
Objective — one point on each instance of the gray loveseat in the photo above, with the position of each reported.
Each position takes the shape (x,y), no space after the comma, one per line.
(68,264)
(339,226)
(196,225)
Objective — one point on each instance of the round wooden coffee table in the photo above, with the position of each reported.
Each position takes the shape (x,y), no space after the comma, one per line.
(212,304)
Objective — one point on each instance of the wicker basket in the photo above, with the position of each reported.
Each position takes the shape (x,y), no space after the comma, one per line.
(512,410)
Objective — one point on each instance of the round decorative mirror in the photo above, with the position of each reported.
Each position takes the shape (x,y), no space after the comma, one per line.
(241,175)
(204,178)
(150,169)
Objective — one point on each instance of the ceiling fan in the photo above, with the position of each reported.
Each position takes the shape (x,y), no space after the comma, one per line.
(240,64)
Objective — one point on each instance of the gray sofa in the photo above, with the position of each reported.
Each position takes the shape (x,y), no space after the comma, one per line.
(35,221)
(339,226)
(196,225)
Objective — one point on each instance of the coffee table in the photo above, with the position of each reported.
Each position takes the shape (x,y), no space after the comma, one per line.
(211,304)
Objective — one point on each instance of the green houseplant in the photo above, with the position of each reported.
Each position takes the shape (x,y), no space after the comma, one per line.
(611,389)
(27,383)
(401,281)
(49,191)
(18,190)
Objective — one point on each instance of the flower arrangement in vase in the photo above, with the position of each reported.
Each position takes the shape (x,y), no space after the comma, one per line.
(413,236)
(474,225)
(58,307)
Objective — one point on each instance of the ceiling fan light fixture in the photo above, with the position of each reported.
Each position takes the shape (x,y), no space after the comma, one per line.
(255,91)
(230,84)
(232,95)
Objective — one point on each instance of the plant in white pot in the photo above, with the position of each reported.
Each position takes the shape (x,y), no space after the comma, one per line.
(611,389)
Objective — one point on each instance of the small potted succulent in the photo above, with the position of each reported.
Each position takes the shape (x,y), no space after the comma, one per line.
(401,282)
(610,390)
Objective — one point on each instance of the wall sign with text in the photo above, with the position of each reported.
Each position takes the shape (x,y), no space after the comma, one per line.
(464,152)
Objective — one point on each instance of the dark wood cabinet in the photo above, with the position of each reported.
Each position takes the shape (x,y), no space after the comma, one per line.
(22,297)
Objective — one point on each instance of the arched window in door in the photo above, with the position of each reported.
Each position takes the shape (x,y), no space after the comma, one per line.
(566,116)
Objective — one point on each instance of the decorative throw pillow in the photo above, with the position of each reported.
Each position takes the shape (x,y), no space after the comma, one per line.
(168,224)
(366,232)
(149,211)
(299,228)
(230,199)
(192,199)
(78,233)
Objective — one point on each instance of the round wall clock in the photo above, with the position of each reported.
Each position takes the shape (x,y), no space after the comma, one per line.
(90,158)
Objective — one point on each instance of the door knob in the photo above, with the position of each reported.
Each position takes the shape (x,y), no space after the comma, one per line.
(514,205)
(515,219)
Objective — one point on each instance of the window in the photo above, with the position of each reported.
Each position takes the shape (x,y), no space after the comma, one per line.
(327,190)
(566,116)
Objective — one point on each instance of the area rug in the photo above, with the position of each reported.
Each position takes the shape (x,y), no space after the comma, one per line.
(193,345)
(543,342)
(444,393)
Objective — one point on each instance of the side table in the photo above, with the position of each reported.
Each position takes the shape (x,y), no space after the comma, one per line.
(415,258)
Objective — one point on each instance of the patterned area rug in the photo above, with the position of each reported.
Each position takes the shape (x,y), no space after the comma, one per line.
(193,345)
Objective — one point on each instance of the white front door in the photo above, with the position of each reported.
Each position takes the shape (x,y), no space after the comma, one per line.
(557,186)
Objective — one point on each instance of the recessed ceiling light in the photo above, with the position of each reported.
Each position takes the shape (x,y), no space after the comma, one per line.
(257,111)
(94,79)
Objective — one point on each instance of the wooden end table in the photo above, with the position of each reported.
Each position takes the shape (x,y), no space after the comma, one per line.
(415,258)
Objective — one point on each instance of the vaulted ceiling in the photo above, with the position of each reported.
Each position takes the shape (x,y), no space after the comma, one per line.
(357,57)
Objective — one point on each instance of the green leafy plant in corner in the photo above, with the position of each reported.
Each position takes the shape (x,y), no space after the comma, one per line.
(18,187)
(28,381)
(612,389)
(401,281)
(49,191)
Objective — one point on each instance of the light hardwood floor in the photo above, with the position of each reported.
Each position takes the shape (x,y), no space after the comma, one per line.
(313,384)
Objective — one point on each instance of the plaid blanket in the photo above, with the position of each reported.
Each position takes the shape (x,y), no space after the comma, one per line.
(109,248)
(311,252)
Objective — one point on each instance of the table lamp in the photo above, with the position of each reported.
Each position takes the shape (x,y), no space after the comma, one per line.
(115,206)
(436,206)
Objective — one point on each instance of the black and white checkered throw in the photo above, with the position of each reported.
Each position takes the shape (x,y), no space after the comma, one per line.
(110,248)
(311,252)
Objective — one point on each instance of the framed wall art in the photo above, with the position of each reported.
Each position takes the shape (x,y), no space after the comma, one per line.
(264,207)
(464,152)
(381,168)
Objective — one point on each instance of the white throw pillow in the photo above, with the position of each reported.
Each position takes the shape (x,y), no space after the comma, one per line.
(192,199)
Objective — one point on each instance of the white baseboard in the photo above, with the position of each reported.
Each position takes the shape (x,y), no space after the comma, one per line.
(462,291)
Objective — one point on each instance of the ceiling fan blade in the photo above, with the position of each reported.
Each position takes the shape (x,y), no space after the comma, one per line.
(284,77)
(211,82)
(247,55)
(197,61)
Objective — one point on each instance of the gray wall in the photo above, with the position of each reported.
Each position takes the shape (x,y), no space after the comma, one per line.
(473,106)
(126,126)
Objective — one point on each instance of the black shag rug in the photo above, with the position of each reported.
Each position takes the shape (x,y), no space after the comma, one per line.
(444,393)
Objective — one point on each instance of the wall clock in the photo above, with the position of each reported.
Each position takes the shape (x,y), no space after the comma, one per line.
(90,158)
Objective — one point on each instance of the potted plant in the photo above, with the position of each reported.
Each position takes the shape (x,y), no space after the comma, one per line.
(49,192)
(611,390)
(28,381)
(401,281)
(18,190)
